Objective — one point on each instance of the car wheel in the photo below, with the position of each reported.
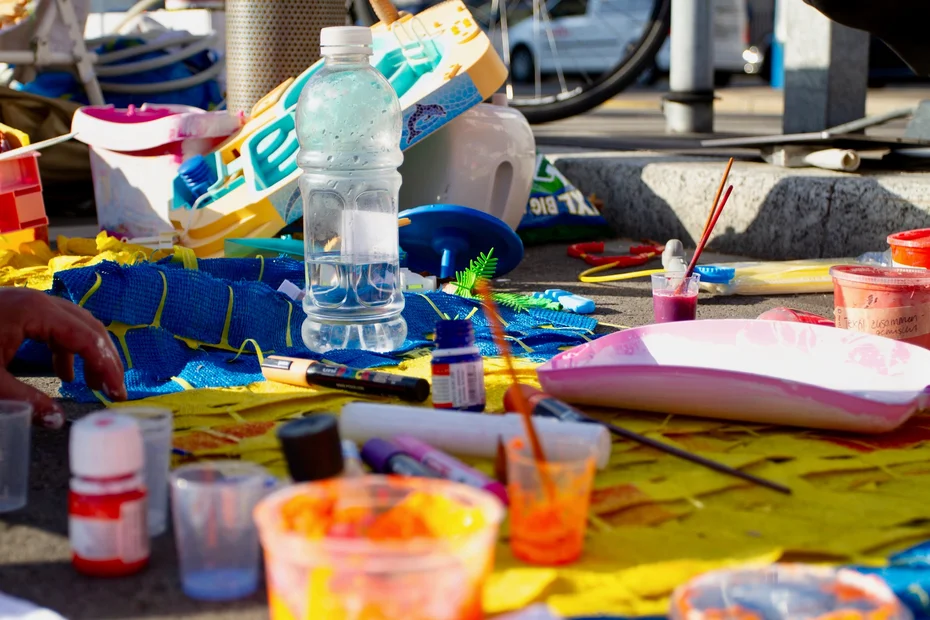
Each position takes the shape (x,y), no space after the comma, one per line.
(522,65)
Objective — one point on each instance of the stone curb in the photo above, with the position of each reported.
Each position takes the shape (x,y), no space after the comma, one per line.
(774,213)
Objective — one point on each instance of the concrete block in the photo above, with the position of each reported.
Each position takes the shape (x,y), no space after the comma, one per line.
(826,70)
(773,213)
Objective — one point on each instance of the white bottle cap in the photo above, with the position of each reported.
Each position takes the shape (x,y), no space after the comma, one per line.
(106,445)
(346,40)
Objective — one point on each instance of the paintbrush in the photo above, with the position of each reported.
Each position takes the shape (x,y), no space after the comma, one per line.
(713,205)
(520,403)
(706,236)
(545,405)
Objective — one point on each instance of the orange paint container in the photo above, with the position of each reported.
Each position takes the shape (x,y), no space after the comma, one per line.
(894,303)
(548,519)
(378,548)
(911,248)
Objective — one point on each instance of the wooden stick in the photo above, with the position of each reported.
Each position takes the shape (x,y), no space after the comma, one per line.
(385,11)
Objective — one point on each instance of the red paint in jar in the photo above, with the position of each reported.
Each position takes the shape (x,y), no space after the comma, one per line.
(894,303)
(911,248)
(107,507)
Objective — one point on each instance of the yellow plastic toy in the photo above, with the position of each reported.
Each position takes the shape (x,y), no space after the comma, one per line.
(440,63)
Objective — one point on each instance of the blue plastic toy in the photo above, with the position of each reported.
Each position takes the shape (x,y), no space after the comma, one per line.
(569,301)
(441,239)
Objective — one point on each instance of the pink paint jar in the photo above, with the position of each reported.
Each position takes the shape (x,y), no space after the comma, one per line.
(889,302)
(911,248)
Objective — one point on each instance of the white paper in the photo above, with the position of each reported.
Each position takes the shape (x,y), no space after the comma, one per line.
(18,609)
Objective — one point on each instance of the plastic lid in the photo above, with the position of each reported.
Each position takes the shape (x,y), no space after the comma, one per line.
(786,592)
(346,36)
(455,334)
(377,452)
(881,276)
(919,238)
(106,445)
(312,448)
(715,275)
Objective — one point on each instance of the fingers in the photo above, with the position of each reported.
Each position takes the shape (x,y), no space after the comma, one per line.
(47,412)
(68,327)
(63,363)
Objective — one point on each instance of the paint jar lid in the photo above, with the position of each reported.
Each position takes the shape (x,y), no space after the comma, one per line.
(455,334)
(106,445)
(881,276)
(918,238)
(312,447)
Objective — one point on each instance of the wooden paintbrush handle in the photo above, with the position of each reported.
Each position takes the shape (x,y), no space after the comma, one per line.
(385,11)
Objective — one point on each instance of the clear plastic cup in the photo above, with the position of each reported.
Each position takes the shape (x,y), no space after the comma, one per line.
(675,298)
(156,425)
(217,543)
(549,500)
(438,578)
(786,592)
(15,425)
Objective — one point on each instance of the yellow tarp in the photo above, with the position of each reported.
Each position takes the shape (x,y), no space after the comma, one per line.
(657,520)
(35,264)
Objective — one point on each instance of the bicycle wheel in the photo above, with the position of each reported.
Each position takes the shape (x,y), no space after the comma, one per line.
(569,56)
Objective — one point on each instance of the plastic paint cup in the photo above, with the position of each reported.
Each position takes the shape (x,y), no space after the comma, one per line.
(156,425)
(786,592)
(911,248)
(894,303)
(674,300)
(15,426)
(218,549)
(547,525)
(332,576)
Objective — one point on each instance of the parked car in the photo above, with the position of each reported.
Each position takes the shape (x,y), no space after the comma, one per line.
(590,36)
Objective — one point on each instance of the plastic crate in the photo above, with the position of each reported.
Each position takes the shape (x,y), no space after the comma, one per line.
(21,203)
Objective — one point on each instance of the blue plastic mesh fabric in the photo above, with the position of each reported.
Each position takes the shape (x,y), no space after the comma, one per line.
(176,327)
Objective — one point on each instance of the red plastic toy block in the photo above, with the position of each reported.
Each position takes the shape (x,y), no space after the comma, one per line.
(21,203)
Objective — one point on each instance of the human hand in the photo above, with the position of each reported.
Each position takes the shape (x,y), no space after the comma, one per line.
(68,329)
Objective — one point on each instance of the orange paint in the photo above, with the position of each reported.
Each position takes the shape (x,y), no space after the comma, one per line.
(378,548)
(547,526)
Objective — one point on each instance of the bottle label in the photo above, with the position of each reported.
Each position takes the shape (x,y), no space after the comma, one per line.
(94,539)
(134,535)
(125,539)
(458,386)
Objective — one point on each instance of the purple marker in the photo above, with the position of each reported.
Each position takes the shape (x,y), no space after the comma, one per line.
(449,467)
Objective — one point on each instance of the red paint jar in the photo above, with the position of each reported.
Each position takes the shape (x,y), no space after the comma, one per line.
(107,503)
(894,303)
(911,248)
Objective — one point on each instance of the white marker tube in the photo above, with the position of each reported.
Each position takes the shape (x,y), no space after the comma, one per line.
(464,434)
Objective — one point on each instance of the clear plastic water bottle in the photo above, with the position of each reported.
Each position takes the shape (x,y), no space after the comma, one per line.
(349,127)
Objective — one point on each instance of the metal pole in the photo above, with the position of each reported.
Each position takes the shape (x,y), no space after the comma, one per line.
(689,107)
(268,41)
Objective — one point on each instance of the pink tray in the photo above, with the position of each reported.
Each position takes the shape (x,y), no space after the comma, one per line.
(749,370)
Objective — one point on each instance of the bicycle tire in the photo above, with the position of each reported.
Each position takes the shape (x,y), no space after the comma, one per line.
(611,82)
